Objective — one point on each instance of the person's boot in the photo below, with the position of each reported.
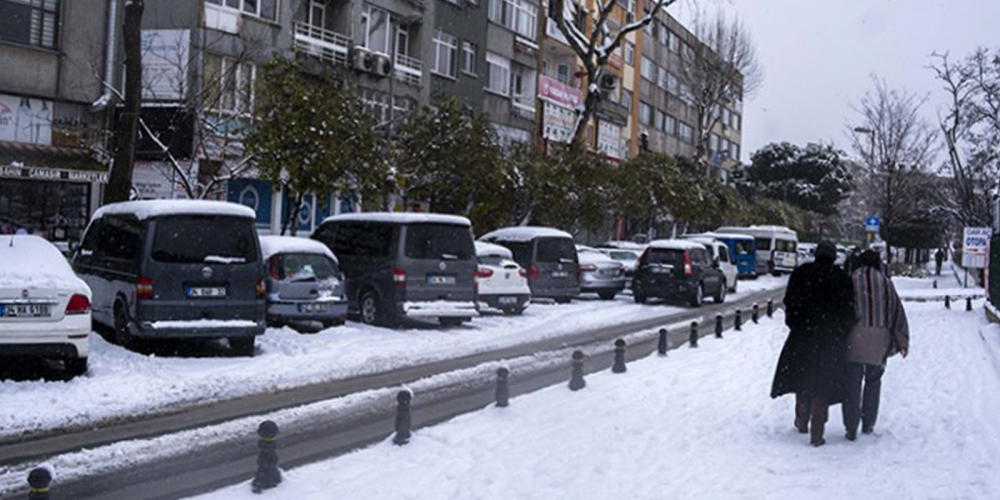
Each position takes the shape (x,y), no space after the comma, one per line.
(851,435)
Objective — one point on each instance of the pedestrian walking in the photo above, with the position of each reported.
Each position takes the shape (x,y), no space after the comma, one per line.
(881,332)
(938,260)
(819,312)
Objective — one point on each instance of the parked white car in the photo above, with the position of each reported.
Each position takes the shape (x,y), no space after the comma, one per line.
(44,307)
(720,255)
(501,284)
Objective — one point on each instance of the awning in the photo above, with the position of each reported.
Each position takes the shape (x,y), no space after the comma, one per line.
(38,162)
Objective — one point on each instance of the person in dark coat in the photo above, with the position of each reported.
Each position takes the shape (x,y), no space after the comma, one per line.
(938,260)
(881,332)
(819,312)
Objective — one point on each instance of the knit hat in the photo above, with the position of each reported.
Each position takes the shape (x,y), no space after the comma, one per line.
(826,251)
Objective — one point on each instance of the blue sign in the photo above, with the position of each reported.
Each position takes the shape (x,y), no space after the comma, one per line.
(872,224)
(254,194)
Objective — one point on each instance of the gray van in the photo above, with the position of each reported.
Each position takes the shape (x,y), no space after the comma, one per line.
(548,254)
(175,269)
(401,266)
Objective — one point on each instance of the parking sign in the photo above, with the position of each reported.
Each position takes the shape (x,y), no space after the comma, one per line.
(975,244)
(872,224)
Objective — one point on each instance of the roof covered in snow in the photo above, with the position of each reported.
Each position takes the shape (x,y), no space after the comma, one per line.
(484,249)
(525,233)
(591,256)
(271,245)
(31,262)
(401,218)
(156,208)
(675,244)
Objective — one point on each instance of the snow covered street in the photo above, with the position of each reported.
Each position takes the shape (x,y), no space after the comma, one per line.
(699,424)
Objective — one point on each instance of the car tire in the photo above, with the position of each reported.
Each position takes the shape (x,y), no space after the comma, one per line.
(242,346)
(123,336)
(639,298)
(369,308)
(451,322)
(75,367)
(607,295)
(563,300)
(332,323)
(698,297)
(720,296)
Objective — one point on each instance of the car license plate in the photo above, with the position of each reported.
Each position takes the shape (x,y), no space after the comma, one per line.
(440,280)
(25,310)
(560,274)
(508,301)
(206,291)
(312,308)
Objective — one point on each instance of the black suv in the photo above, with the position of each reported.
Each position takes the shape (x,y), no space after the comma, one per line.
(677,269)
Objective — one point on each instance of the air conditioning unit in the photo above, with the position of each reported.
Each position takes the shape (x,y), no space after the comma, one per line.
(383,65)
(362,59)
(608,82)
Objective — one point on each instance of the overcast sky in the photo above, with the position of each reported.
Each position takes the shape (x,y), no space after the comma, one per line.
(819,55)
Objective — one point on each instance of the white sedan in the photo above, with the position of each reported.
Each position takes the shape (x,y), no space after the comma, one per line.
(44,307)
(501,284)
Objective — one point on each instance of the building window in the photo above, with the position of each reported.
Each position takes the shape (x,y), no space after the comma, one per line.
(469,58)
(734,151)
(675,42)
(268,9)
(713,143)
(664,78)
(688,53)
(518,15)
(626,99)
(445,53)
(523,86)
(670,125)
(374,29)
(630,53)
(562,73)
(645,114)
(664,35)
(229,95)
(686,132)
(648,69)
(659,119)
(726,116)
(673,84)
(685,94)
(29,22)
(499,74)
(736,122)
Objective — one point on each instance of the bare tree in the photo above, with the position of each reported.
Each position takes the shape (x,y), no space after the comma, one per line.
(594,47)
(896,146)
(720,70)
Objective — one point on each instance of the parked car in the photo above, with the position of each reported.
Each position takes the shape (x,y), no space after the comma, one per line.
(742,253)
(304,282)
(548,254)
(600,274)
(776,247)
(404,266)
(678,269)
(501,284)
(806,252)
(719,253)
(44,307)
(628,259)
(180,269)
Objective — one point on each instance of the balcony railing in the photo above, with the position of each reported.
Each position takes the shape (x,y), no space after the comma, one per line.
(327,45)
(409,70)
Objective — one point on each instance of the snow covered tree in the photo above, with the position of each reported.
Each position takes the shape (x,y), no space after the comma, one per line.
(815,178)
(310,137)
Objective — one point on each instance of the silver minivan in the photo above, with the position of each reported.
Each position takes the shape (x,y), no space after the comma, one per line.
(548,254)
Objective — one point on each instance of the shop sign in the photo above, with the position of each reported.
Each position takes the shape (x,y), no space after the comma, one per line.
(615,61)
(558,93)
(52,174)
(153,180)
(25,120)
(609,140)
(558,123)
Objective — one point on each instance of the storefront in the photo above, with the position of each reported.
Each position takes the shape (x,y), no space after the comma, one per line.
(49,202)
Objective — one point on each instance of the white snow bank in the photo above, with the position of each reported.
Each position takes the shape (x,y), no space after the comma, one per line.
(401,218)
(146,209)
(524,233)
(688,426)
(32,262)
(204,323)
(271,245)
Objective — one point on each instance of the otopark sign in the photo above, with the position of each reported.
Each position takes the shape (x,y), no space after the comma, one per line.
(975,245)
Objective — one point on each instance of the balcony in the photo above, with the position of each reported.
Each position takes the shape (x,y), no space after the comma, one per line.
(327,45)
(409,70)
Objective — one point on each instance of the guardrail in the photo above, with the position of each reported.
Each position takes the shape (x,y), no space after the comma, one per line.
(327,45)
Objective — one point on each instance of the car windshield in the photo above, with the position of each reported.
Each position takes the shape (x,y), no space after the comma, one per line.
(205,239)
(556,250)
(297,267)
(439,242)
(623,256)
(744,247)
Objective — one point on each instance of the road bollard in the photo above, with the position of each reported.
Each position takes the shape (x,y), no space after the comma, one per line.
(770,308)
(268,476)
(755,315)
(935,284)
(576,381)
(718,326)
(39,480)
(503,388)
(968,303)
(947,302)
(738,321)
(694,334)
(661,346)
(403,418)
(619,366)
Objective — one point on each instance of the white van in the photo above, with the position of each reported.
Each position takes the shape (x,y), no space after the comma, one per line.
(776,246)
(720,255)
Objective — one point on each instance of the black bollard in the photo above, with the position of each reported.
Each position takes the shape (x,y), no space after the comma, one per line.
(661,347)
(503,388)
(39,480)
(694,334)
(718,326)
(576,381)
(402,418)
(968,303)
(268,476)
(947,302)
(770,308)
(619,366)
(738,321)
(755,315)
(935,284)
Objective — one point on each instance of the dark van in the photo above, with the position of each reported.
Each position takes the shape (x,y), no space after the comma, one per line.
(678,269)
(549,256)
(401,266)
(175,269)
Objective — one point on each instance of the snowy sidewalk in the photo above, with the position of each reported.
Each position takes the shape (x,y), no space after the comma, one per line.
(699,424)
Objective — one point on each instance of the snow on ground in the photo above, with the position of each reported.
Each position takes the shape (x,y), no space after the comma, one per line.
(121,382)
(947,284)
(700,424)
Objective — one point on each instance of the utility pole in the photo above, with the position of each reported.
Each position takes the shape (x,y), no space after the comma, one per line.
(127,131)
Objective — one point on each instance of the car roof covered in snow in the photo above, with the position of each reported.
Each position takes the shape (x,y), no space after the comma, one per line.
(623,245)
(525,233)
(146,209)
(31,262)
(589,255)
(675,244)
(484,249)
(401,218)
(733,236)
(271,245)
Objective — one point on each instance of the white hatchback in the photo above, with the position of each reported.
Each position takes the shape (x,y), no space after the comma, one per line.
(501,283)
(44,307)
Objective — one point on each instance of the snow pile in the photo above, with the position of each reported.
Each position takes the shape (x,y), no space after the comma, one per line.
(32,262)
(524,233)
(204,323)
(271,245)
(146,209)
(691,427)
(484,249)
(401,218)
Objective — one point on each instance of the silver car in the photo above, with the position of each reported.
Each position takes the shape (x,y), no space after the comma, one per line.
(600,274)
(304,282)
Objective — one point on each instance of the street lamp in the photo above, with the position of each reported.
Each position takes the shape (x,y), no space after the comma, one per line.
(403,23)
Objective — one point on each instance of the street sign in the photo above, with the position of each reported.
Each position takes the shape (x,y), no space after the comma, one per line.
(975,245)
(872,224)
